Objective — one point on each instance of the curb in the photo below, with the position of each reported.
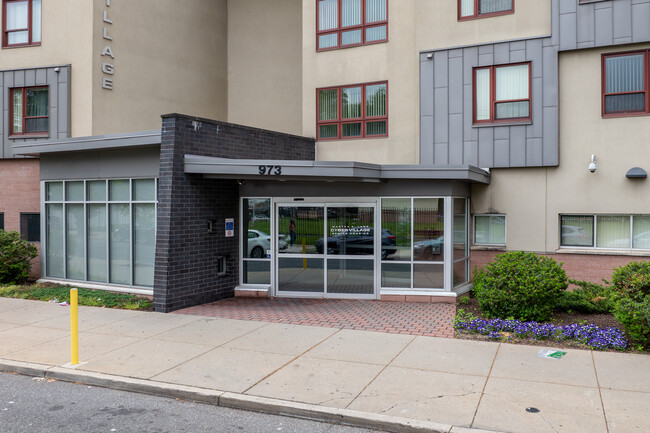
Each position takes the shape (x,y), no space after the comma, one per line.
(235,400)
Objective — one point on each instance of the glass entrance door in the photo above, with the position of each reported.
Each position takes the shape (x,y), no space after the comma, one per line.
(330,252)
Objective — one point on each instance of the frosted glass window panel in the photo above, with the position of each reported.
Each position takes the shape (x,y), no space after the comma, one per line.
(624,73)
(351,37)
(119,190)
(482,94)
(144,238)
(351,102)
(54,233)
(376,33)
(491,6)
(328,41)
(511,110)
(466,8)
(490,229)
(96,190)
(75,239)
(512,82)
(54,191)
(36,20)
(641,233)
(376,100)
(625,102)
(327,14)
(144,190)
(396,218)
(350,13)
(120,243)
(74,191)
(97,245)
(328,104)
(17,121)
(375,11)
(612,231)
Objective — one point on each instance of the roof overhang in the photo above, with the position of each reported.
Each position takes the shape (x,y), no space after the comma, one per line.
(283,170)
(98,142)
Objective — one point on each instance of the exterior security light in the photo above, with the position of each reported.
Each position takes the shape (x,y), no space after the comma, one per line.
(592,164)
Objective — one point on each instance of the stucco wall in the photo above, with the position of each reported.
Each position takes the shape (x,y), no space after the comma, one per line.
(265,64)
(168,58)
(532,199)
(413,26)
(67,38)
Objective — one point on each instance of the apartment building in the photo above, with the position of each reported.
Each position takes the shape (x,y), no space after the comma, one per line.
(366,149)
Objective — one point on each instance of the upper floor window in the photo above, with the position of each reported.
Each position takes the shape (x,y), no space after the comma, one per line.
(21,23)
(346,23)
(358,111)
(29,111)
(502,93)
(469,9)
(625,84)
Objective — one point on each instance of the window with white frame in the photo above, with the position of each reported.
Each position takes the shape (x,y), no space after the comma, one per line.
(101,230)
(605,231)
(490,229)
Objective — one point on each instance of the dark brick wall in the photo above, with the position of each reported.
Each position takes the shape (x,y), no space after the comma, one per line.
(186,254)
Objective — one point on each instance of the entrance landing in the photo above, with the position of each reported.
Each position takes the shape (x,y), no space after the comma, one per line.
(435,320)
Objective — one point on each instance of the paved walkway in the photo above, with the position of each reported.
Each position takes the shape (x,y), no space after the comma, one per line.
(388,381)
(433,320)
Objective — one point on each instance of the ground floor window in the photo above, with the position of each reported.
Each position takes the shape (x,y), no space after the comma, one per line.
(605,231)
(30,227)
(2,221)
(256,241)
(101,230)
(490,230)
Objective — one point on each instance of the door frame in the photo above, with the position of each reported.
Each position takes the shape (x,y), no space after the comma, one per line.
(326,202)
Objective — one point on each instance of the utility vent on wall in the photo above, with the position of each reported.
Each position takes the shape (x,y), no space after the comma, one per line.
(636,173)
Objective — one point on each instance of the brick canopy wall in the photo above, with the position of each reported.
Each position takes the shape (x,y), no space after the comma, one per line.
(186,254)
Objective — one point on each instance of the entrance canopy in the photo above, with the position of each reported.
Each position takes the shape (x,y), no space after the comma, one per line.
(225,168)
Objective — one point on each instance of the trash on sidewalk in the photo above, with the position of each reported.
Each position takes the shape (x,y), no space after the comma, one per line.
(56,301)
(550,354)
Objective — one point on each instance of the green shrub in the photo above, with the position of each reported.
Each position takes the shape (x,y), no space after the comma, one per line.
(588,298)
(15,257)
(632,300)
(520,285)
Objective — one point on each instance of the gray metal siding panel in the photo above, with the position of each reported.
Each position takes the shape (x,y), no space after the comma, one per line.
(536,129)
(604,22)
(501,53)
(469,133)
(441,104)
(586,25)
(534,51)
(517,146)
(470,153)
(426,86)
(486,147)
(622,20)
(426,140)
(534,152)
(551,136)
(550,86)
(456,86)
(456,139)
(641,22)
(501,153)
(440,65)
(568,31)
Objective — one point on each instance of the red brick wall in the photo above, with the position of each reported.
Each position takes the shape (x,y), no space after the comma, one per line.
(587,267)
(20,191)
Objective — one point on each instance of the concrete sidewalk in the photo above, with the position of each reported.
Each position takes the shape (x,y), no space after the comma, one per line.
(388,381)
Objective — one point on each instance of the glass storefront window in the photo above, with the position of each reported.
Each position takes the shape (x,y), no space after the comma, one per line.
(396,221)
(103,241)
(428,229)
(256,240)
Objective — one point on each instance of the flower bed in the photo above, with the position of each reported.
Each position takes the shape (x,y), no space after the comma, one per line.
(589,335)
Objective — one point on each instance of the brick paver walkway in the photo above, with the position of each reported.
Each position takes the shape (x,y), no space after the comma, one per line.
(392,317)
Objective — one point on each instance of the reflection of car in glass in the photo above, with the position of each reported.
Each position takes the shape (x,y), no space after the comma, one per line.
(575,235)
(428,247)
(358,240)
(259,243)
(642,240)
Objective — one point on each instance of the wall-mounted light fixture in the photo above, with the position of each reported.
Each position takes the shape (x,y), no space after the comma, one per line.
(592,164)
(429,56)
(636,173)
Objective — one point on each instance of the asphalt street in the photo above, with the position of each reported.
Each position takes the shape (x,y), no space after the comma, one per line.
(38,405)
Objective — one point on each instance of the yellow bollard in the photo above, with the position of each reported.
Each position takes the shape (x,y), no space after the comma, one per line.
(304,250)
(74,327)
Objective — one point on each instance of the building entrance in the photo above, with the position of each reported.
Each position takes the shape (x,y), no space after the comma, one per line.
(328,250)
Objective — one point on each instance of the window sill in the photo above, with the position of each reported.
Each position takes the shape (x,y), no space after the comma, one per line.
(620,115)
(10,47)
(28,136)
(490,15)
(586,2)
(492,125)
(344,47)
(487,248)
(604,251)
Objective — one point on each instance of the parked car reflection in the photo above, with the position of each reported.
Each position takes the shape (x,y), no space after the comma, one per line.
(259,243)
(428,248)
(358,240)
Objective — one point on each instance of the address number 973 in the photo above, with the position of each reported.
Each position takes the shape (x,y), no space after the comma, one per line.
(270,170)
